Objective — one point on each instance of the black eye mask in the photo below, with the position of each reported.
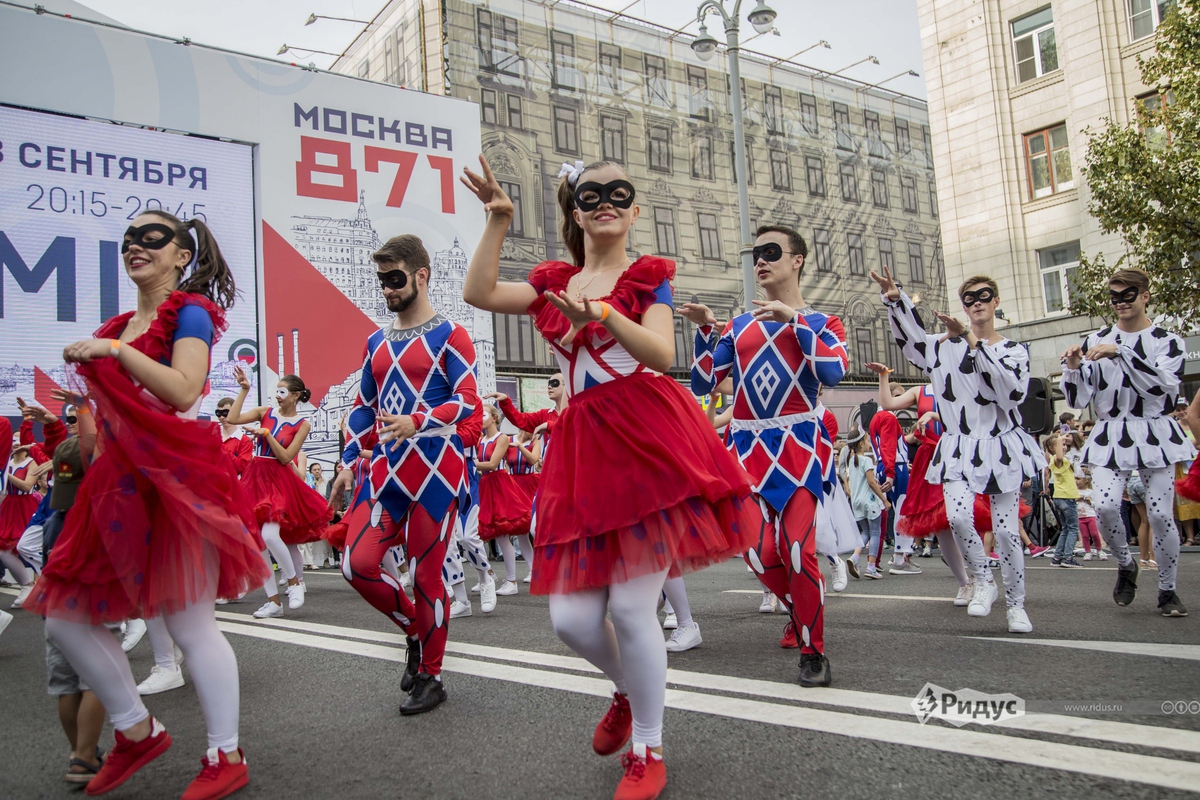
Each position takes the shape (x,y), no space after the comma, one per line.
(591,195)
(1127,296)
(395,279)
(138,236)
(767,252)
(984,295)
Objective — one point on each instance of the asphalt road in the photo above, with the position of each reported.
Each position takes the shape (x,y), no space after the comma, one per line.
(320,695)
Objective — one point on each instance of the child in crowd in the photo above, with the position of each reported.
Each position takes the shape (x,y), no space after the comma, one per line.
(1065,494)
(1089,528)
(867,500)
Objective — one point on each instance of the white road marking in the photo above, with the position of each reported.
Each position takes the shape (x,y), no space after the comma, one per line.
(1191,652)
(1058,724)
(1150,770)
(830,593)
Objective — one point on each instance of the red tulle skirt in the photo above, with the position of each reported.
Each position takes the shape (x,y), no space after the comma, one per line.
(277,494)
(924,508)
(637,482)
(505,505)
(1188,487)
(15,511)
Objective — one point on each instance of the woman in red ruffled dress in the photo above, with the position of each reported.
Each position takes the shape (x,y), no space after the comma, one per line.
(21,499)
(155,530)
(1188,486)
(505,506)
(288,511)
(636,486)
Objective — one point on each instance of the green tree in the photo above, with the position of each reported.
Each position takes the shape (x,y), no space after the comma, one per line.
(1145,181)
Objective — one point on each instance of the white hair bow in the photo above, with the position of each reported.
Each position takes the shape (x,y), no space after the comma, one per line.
(571,171)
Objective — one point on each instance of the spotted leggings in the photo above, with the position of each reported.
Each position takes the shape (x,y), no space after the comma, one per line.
(1107,487)
(960,508)
(795,579)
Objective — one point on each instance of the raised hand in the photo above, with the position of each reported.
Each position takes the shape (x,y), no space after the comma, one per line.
(887,285)
(1102,351)
(698,313)
(87,350)
(773,311)
(488,190)
(63,396)
(954,328)
(877,368)
(1073,356)
(578,312)
(499,397)
(243,381)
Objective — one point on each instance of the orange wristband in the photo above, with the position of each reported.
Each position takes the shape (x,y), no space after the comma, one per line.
(82,409)
(605,308)
(114,347)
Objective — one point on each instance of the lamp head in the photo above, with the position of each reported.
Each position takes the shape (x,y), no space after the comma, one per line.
(704,45)
(311,19)
(873,59)
(282,49)
(762,17)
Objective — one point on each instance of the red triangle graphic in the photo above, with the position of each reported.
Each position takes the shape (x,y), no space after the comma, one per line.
(42,386)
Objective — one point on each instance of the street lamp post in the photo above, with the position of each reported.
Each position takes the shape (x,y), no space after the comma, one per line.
(761,17)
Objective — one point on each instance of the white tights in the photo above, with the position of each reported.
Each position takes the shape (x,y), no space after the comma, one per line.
(510,555)
(630,649)
(29,547)
(948,544)
(96,655)
(287,556)
(676,594)
(161,643)
(9,559)
(960,508)
(1109,485)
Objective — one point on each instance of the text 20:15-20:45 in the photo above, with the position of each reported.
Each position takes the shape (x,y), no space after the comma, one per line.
(60,201)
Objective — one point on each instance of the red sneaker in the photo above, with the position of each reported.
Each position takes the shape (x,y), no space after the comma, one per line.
(789,641)
(645,776)
(613,732)
(128,757)
(218,778)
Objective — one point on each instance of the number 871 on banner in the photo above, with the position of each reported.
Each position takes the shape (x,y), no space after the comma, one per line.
(374,158)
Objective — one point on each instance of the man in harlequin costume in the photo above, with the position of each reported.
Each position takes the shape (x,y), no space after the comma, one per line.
(779,355)
(418,382)
(891,470)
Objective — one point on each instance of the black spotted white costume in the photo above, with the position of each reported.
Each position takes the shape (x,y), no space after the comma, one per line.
(1132,395)
(983,449)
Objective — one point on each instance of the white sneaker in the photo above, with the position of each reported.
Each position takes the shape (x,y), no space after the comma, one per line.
(406,580)
(5,619)
(982,599)
(161,680)
(905,568)
(282,580)
(507,589)
(295,596)
(476,588)
(841,576)
(221,601)
(487,596)
(458,609)
(684,638)
(26,590)
(671,623)
(1103,556)
(135,629)
(269,609)
(965,593)
(1087,556)
(1018,621)
(768,604)
(528,577)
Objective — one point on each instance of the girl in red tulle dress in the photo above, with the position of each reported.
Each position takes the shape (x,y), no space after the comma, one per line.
(1188,486)
(288,511)
(505,504)
(154,529)
(20,481)
(636,486)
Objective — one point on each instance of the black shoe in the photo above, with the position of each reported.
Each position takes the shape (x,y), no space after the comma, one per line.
(427,694)
(1126,587)
(1170,605)
(413,666)
(814,670)
(1070,563)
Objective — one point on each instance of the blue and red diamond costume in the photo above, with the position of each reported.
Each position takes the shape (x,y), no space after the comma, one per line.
(777,434)
(413,490)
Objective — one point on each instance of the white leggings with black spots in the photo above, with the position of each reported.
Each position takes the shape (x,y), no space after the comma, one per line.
(1108,485)
(960,508)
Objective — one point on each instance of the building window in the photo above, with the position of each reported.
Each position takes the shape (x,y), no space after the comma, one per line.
(749,162)
(1033,41)
(854,247)
(879,187)
(664,231)
(808,114)
(566,130)
(933,205)
(864,347)
(364,69)
(698,102)
(1058,266)
(773,108)
(927,140)
(1157,136)
(848,177)
(710,236)
(702,156)
(610,68)
(841,126)
(885,255)
(498,47)
(822,252)
(781,171)
(513,190)
(1048,160)
(612,137)
(658,89)
(659,137)
(903,141)
(815,172)
(516,118)
(565,75)
(1145,16)
(916,263)
(874,134)
(908,193)
(487,106)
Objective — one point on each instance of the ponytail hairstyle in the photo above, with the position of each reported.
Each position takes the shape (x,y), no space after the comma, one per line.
(210,276)
(572,234)
(294,384)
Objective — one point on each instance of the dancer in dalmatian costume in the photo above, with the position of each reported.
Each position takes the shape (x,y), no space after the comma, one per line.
(779,356)
(1131,374)
(418,381)
(981,379)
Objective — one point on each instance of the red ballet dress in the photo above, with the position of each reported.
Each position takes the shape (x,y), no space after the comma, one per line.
(277,494)
(17,507)
(525,475)
(637,482)
(158,501)
(504,509)
(1188,487)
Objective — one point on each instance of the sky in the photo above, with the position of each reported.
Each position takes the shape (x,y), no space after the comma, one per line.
(855,29)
